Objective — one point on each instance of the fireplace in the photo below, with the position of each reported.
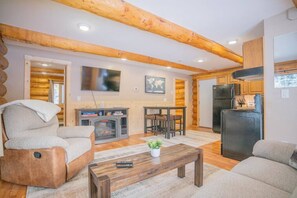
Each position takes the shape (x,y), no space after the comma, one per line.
(105,128)
(111,124)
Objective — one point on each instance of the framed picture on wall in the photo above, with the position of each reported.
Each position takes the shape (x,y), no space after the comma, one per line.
(155,85)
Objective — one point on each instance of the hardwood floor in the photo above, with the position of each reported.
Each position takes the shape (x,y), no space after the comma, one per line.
(211,156)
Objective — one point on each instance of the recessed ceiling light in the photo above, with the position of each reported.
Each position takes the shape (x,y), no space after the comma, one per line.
(84,27)
(168,67)
(233,42)
(123,59)
(44,65)
(200,60)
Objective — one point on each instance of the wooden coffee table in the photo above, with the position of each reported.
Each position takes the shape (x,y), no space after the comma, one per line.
(105,177)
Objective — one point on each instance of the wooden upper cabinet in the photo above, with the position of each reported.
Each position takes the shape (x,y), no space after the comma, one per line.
(256,87)
(231,80)
(221,80)
(252,87)
(244,87)
(253,53)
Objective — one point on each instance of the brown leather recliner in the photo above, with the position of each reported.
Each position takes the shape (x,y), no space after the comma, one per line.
(39,153)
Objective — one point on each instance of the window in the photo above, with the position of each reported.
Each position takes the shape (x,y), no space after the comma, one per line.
(281,81)
(58,93)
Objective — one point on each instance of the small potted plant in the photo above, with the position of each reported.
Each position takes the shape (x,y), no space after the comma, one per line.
(155,147)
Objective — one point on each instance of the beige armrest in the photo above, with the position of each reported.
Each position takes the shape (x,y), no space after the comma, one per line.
(75,132)
(274,150)
(36,142)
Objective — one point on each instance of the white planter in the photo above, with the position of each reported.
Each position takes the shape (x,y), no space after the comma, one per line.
(155,152)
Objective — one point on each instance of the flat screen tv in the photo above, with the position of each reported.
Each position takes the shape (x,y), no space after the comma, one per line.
(99,79)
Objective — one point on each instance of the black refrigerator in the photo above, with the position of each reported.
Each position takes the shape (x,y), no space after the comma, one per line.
(223,98)
(241,129)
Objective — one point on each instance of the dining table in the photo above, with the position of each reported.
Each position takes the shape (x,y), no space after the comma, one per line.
(168,109)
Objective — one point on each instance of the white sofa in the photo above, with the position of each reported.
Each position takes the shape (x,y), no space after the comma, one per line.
(267,174)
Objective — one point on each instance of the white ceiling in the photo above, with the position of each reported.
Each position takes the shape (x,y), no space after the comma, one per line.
(217,20)
(285,47)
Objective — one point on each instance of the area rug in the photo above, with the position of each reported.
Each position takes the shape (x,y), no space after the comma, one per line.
(192,138)
(164,185)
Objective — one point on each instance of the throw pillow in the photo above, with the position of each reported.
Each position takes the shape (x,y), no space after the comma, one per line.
(293,159)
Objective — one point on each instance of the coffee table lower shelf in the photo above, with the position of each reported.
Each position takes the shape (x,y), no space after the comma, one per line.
(104,177)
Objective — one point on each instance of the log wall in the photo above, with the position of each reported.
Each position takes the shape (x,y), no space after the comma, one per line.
(179,95)
(40,84)
(3,75)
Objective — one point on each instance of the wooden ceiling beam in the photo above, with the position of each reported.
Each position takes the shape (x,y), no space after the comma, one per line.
(216,72)
(32,37)
(123,12)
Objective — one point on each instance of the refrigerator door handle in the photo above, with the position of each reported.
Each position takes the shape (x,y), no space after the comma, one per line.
(232,103)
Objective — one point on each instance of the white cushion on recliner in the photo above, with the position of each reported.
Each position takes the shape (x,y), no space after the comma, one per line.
(20,121)
(77,147)
(41,142)
(270,172)
(75,131)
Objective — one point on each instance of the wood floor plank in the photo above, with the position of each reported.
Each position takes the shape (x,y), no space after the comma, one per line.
(211,156)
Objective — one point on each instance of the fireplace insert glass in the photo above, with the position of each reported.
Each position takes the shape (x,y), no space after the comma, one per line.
(105,129)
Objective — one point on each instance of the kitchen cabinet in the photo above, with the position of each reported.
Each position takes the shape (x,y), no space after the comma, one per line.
(226,79)
(247,87)
(231,80)
(252,87)
(244,88)
(253,53)
(221,80)
(256,87)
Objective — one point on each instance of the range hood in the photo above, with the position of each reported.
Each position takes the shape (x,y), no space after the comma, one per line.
(250,74)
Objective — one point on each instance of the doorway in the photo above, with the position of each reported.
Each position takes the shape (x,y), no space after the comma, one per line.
(206,102)
(46,80)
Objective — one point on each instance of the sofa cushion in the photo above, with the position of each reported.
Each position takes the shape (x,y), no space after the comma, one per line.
(41,142)
(76,148)
(293,159)
(294,194)
(270,172)
(274,150)
(20,121)
(75,131)
(226,184)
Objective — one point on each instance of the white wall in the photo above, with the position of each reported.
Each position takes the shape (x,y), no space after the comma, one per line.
(280,114)
(206,102)
(132,75)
